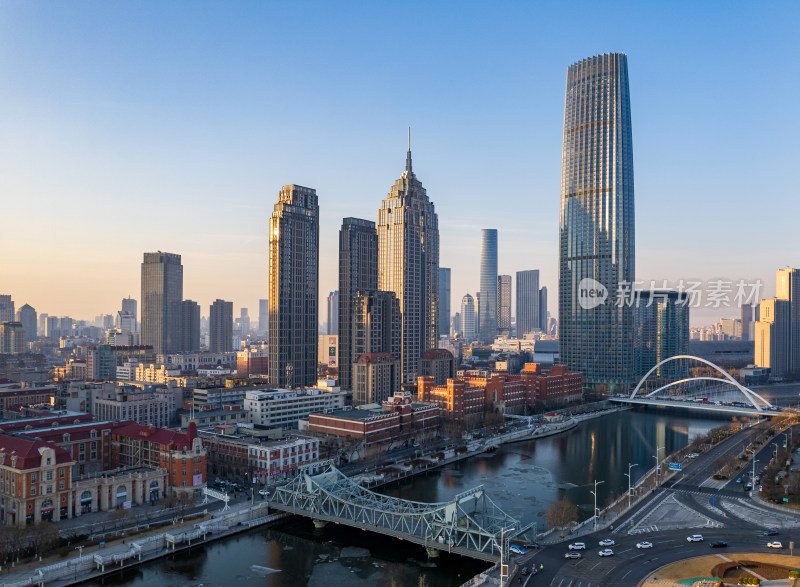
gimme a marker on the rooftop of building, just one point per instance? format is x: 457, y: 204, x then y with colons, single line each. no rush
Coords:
x: 29, y: 451
x: 61, y: 420
x: 255, y: 440
x: 171, y: 438
x: 437, y: 354
x: 353, y: 414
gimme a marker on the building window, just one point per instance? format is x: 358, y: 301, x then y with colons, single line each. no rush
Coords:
x: 33, y: 490
x: 33, y: 477
x: 61, y: 485
x: 49, y: 475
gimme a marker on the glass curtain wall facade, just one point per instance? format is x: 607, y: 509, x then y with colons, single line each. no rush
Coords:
x: 488, y: 299
x: 527, y: 302
x: 293, y: 288
x: 596, y: 241
x: 358, y: 271
x: 444, y: 301
x: 162, y: 294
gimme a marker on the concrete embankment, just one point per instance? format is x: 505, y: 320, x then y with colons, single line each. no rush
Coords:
x: 82, y: 568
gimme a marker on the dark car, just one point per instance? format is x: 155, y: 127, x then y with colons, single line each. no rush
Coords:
x: 770, y: 532
x: 719, y: 544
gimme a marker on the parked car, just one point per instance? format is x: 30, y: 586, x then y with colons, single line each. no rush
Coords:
x: 739, y: 480
x: 577, y: 546
x: 770, y: 532
x: 263, y: 492
x: 692, y: 455
x: 695, y: 538
x: 606, y: 552
x: 748, y: 487
x: 517, y: 549
x: 644, y: 544
x: 719, y: 544
x: 607, y: 542
x: 572, y: 555
x: 524, y: 571
x: 774, y: 544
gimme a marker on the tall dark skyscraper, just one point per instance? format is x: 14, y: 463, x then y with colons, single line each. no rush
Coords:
x: 190, y: 318
x: 408, y: 265
x: 26, y: 316
x: 504, y: 303
x: 162, y: 294
x: 293, y: 287
x: 527, y: 302
x: 263, y: 316
x: 358, y: 271
x: 488, y: 299
x: 543, y: 309
x: 661, y: 331
x: 376, y: 328
x: 597, y: 224
x: 220, y: 327
x: 444, y: 301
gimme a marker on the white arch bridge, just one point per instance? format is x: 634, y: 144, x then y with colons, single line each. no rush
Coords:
x: 470, y: 524
x: 717, y: 392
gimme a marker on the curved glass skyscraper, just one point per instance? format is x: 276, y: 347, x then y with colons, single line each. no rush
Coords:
x: 488, y: 305
x: 596, y: 263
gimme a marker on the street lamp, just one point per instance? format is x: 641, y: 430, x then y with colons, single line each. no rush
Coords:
x: 655, y: 456
x: 596, y: 483
x: 502, y: 532
x: 628, y: 475
x: 753, y: 480
x: 775, y: 444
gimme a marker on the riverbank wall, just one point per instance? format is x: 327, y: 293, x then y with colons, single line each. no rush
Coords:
x: 131, y: 553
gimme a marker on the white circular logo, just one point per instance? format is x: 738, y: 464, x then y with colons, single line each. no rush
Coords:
x: 591, y: 293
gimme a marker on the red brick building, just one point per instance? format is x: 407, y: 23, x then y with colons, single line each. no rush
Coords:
x: 371, y: 426
x: 552, y: 388
x: 35, y: 481
x: 456, y: 399
x: 182, y: 455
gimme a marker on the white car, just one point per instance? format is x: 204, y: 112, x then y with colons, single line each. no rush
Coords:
x: 572, y: 555
x: 775, y: 544
x: 692, y: 455
x: 263, y: 492
x: 577, y: 546
x: 607, y: 542
x: 644, y: 545
x: 516, y: 549
x: 695, y: 538
x: 606, y: 552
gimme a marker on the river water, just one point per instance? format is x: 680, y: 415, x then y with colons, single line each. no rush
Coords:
x: 521, y: 478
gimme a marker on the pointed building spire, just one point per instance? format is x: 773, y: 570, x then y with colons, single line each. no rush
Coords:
x: 408, y: 154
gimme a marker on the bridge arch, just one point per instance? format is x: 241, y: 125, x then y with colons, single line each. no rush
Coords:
x: 751, y: 395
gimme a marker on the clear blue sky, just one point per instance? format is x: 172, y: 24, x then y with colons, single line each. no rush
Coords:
x: 138, y: 126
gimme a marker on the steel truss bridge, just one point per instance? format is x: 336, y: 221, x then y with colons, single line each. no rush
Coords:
x: 470, y: 524
x: 718, y: 393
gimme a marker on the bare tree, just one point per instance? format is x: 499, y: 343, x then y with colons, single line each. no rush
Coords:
x: 561, y: 514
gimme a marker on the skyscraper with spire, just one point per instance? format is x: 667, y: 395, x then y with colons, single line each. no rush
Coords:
x: 408, y: 264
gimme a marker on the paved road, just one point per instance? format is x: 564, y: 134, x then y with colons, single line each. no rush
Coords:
x: 742, y: 522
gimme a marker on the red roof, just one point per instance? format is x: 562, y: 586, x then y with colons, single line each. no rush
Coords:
x: 369, y: 358
x: 437, y: 354
x: 27, y: 451
x: 21, y: 425
x: 169, y: 438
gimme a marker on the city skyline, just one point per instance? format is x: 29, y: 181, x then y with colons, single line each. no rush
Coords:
x: 122, y: 134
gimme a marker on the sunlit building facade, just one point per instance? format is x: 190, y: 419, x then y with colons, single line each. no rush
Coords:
x: 596, y: 329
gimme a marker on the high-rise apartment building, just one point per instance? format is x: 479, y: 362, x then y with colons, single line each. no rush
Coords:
x: 128, y: 314
x: 773, y: 336
x: 543, y: 317
x: 12, y: 338
x: 661, y: 332
x: 358, y: 271
x: 220, y: 327
x: 528, y: 311
x: 747, y: 322
x: 263, y: 316
x: 162, y: 294
x: 488, y: 303
x: 7, y: 313
x: 333, y: 313
x: 504, y: 303
x: 243, y: 322
x: 788, y: 289
x: 27, y: 317
x: 468, y: 318
x: 408, y: 265
x: 376, y: 324
x: 293, y: 288
x: 444, y: 301
x: 596, y: 246
x: 190, y: 326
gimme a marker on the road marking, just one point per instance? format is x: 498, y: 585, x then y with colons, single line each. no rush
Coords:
x: 625, y: 575
x: 626, y: 550
x: 597, y: 565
